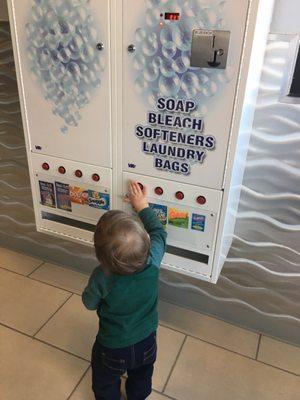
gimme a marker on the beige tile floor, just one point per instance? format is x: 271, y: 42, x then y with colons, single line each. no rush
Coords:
x: 46, y: 337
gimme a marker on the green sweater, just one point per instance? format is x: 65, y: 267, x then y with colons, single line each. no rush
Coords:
x: 127, y: 305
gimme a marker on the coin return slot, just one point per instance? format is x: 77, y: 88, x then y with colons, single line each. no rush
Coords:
x: 68, y: 221
x: 190, y: 255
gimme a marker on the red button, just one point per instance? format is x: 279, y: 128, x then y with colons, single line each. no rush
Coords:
x: 179, y: 196
x: 45, y: 166
x: 201, y: 200
x: 159, y: 191
x: 141, y: 186
x: 62, y: 170
x: 96, y: 177
x: 78, y: 173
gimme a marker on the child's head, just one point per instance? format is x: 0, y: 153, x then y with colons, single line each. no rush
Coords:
x: 121, y: 243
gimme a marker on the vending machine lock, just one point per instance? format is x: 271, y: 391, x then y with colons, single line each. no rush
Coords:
x: 210, y: 48
x: 100, y: 46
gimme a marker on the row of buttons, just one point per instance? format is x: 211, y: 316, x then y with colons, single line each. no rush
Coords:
x: 78, y: 173
x: 178, y: 195
x: 158, y: 190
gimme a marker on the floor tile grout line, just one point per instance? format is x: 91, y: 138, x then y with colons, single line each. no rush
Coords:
x: 166, y: 326
x: 32, y: 272
x: 162, y: 324
x: 258, y: 346
x: 162, y: 394
x: 231, y: 323
x: 278, y: 368
x: 38, y: 280
x: 14, y: 272
x: 60, y: 349
x: 78, y: 383
x: 52, y: 285
x: 59, y: 308
x: 16, y: 330
x: 174, y: 364
x: 230, y: 351
x: 44, y: 342
x: 206, y: 341
x: 87, y: 360
x: 206, y: 314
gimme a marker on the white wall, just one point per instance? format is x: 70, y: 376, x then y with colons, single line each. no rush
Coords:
x: 286, y: 17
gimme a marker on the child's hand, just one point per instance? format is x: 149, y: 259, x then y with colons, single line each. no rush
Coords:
x: 136, y: 196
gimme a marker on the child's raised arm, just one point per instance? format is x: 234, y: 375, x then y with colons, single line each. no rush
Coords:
x: 155, y: 229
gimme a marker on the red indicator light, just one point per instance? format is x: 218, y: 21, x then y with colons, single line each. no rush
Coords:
x: 96, y: 177
x: 45, y: 166
x: 201, y: 200
x: 172, y: 16
x: 62, y: 170
x: 179, y: 195
x: 78, y: 173
x: 158, y: 190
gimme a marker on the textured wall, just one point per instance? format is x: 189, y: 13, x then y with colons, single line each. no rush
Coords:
x: 17, y: 227
x: 286, y: 16
x: 3, y: 10
x: 260, y: 284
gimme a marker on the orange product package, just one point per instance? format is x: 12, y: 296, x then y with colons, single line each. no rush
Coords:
x: 79, y: 195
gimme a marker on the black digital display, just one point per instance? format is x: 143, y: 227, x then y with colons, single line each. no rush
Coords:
x: 171, y: 16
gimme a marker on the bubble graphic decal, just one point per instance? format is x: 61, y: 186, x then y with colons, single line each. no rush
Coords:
x: 63, y: 55
x: 163, y: 48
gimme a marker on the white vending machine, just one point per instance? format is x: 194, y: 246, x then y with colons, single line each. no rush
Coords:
x: 159, y: 91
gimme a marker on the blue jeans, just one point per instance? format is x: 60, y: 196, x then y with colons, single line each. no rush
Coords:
x: 108, y: 365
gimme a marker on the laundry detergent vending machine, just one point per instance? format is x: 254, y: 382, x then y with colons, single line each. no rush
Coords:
x: 158, y: 91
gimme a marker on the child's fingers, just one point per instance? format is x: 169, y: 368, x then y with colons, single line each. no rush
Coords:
x: 130, y: 188
x: 136, y: 190
x: 145, y: 190
x: 126, y: 198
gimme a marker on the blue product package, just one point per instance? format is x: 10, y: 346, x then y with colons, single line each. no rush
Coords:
x: 198, y: 222
x: 99, y: 200
x: 161, y: 212
x: 63, y: 196
x: 47, y: 194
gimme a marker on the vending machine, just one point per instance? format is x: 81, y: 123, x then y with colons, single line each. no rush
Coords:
x: 158, y: 91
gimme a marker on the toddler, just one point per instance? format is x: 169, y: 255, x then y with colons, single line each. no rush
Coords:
x: 124, y: 290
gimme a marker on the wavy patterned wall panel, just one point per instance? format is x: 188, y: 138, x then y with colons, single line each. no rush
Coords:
x: 260, y: 284
x: 17, y: 227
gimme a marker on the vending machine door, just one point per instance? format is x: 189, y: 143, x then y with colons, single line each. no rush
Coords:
x: 180, y: 74
x: 64, y: 54
x: 190, y: 217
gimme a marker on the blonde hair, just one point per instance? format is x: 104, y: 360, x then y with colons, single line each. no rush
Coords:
x: 121, y: 243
